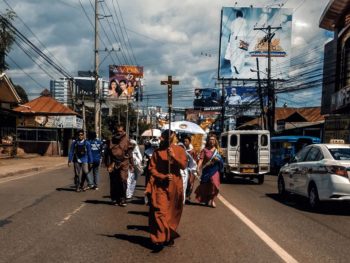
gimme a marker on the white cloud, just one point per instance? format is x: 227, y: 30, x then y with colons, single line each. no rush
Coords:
x: 167, y: 37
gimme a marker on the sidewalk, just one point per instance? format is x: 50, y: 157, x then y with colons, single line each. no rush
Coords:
x: 30, y: 163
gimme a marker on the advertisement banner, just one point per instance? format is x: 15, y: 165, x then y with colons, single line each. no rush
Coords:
x: 67, y: 122
x: 241, y: 43
x: 125, y: 83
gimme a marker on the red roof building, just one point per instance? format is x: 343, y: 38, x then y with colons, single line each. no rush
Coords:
x: 44, y: 105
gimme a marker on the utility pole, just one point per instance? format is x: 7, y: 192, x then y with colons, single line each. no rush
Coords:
x: 270, y: 89
x: 97, y: 84
x: 127, y: 116
x: 223, y: 109
x: 260, y: 96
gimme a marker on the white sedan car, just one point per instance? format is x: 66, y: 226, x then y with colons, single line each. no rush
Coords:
x: 320, y: 172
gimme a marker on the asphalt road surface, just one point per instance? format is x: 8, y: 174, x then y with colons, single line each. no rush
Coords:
x: 42, y: 219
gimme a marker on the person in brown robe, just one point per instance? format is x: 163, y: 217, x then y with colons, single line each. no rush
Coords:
x: 118, y: 159
x: 166, y: 191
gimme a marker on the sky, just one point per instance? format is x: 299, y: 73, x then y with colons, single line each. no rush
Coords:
x: 178, y: 38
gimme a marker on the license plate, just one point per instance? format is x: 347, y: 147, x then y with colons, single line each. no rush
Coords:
x: 247, y: 170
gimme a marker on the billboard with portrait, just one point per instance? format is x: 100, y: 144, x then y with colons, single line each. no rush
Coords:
x: 241, y: 44
x: 125, y: 83
x: 207, y: 99
x: 243, y: 100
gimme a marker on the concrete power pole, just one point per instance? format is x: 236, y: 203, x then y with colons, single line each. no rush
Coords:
x: 270, y: 88
x: 97, y: 84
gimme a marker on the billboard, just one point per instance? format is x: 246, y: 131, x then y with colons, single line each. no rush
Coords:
x: 241, y: 95
x: 125, y: 83
x: 207, y: 99
x: 240, y: 44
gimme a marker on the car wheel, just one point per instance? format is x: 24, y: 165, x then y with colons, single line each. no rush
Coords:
x: 281, y: 186
x: 261, y: 179
x: 314, y: 200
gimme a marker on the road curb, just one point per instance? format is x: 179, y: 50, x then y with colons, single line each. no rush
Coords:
x: 29, y: 170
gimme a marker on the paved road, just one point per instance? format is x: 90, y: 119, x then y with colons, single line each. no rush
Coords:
x: 43, y: 220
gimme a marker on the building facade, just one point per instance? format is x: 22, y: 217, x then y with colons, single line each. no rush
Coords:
x: 65, y: 90
x: 335, y: 104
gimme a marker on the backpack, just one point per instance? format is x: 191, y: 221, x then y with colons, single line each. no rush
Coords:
x: 80, y: 149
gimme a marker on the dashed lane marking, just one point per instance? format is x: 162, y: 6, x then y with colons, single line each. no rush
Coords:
x: 69, y: 215
x: 260, y: 233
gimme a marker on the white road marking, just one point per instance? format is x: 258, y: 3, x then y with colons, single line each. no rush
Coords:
x: 69, y: 215
x: 271, y: 243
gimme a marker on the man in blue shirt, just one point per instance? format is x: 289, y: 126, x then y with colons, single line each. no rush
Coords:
x: 96, y: 150
x: 80, y: 154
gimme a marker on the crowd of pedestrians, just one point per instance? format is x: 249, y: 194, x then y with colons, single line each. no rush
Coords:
x: 170, y: 167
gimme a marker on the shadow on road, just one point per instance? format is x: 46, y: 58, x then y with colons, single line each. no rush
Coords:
x: 5, y: 222
x: 140, y: 213
x: 194, y: 203
x: 98, y: 202
x: 137, y: 200
x: 139, y: 240
x: 242, y: 181
x: 138, y: 228
x: 301, y: 203
x: 65, y: 189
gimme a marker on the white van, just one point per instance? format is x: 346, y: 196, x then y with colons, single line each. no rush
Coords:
x: 246, y: 153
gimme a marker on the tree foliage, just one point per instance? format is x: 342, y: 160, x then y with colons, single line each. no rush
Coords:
x: 22, y: 93
x: 7, y: 37
x: 119, y: 116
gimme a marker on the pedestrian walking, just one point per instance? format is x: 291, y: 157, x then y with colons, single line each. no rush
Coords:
x: 192, y: 166
x: 96, y: 150
x: 118, y: 159
x: 81, y: 156
x: 209, y: 165
x: 135, y: 169
x: 166, y: 191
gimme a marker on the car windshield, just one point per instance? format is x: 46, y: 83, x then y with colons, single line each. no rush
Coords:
x: 340, y: 153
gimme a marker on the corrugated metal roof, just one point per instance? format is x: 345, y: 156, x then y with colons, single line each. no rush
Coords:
x: 45, y: 105
x: 8, y: 92
x: 310, y: 114
x: 333, y: 12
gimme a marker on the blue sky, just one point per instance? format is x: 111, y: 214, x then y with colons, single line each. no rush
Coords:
x: 179, y: 38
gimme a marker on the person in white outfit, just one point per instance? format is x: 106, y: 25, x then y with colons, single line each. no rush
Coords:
x: 191, y: 167
x: 135, y: 170
x: 237, y: 43
x: 234, y: 99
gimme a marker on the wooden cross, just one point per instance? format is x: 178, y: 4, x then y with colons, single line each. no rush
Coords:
x: 170, y: 82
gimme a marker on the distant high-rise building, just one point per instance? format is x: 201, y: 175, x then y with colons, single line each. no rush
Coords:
x: 59, y: 91
x: 81, y: 88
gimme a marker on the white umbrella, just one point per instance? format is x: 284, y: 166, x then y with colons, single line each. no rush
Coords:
x: 185, y: 127
x: 151, y: 132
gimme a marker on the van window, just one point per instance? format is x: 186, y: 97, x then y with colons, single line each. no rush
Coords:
x: 223, y: 141
x: 233, y: 140
x: 263, y: 140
